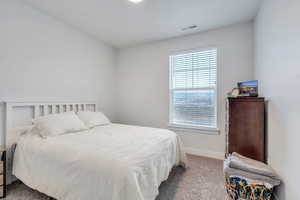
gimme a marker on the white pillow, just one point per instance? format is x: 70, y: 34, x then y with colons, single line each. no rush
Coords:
x: 92, y: 119
x: 16, y: 133
x: 58, y: 124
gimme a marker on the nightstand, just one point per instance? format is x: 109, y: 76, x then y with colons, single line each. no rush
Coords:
x: 2, y: 172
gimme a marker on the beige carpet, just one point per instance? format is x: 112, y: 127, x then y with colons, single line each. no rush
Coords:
x: 203, y: 180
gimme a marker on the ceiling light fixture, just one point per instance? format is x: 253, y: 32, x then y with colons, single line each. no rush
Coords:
x: 135, y: 1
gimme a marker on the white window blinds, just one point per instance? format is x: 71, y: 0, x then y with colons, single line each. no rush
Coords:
x: 193, y: 79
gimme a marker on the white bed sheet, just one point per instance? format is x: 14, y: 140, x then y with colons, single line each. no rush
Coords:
x: 112, y: 162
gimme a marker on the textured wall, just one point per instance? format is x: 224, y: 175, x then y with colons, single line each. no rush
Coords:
x: 277, y: 47
x: 45, y: 60
x: 143, y: 80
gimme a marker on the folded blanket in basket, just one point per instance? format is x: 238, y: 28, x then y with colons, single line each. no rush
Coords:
x: 237, y: 165
x: 238, y: 161
x: 251, y: 176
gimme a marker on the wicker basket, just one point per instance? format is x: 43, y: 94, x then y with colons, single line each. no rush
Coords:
x: 239, y: 188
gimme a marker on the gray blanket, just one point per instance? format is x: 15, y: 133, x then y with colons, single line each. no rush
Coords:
x: 243, y: 163
x: 238, y: 165
x: 251, y: 176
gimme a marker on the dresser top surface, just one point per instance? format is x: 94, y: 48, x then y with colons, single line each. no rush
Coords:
x: 246, y: 99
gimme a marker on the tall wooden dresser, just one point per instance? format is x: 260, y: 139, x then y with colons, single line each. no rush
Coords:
x: 246, y: 127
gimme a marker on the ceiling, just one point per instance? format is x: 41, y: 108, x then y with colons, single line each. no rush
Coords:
x: 121, y: 23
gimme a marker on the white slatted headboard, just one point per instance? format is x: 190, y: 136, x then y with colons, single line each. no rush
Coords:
x: 20, y: 114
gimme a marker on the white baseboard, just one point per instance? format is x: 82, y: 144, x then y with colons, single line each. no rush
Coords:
x: 205, y: 153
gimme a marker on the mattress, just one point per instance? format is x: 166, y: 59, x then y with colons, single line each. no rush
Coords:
x: 111, y: 162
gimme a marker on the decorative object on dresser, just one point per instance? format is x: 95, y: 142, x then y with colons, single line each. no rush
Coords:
x: 3, y: 172
x: 248, y: 88
x: 246, y: 127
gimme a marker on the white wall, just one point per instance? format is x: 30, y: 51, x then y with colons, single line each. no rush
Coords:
x: 43, y: 59
x: 142, y: 80
x: 277, y: 47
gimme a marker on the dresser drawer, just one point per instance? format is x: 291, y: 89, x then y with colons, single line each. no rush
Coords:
x: 1, y: 167
x: 1, y: 191
x: 1, y: 180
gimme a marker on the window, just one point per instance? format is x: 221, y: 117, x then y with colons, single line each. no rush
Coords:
x: 193, y: 89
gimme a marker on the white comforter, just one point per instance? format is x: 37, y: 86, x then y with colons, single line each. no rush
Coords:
x: 112, y: 162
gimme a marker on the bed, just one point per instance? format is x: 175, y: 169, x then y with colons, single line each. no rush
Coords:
x: 110, y: 162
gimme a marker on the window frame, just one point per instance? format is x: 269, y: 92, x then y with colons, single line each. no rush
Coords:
x: 193, y: 128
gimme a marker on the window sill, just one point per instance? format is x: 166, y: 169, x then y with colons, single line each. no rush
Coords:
x: 195, y: 129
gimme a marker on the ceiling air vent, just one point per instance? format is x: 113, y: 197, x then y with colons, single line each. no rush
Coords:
x: 189, y: 28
